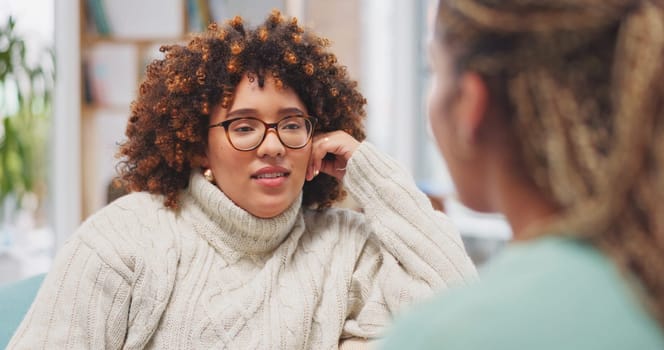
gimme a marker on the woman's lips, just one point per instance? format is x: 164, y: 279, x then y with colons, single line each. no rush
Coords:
x: 271, y: 176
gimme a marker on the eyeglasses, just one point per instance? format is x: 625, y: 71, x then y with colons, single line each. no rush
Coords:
x: 247, y: 133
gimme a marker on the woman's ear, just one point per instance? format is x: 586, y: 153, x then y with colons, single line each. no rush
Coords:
x: 203, y: 159
x: 471, y: 107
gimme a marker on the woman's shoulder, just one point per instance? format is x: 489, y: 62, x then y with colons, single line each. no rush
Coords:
x: 333, y: 217
x: 136, y: 201
x: 343, y: 224
x: 551, y: 292
x: 135, y: 224
x: 126, y: 212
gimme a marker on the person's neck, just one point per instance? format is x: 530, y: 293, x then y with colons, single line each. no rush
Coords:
x: 523, y: 204
x: 225, y: 224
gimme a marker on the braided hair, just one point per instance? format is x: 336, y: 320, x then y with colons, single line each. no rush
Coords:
x: 582, y: 82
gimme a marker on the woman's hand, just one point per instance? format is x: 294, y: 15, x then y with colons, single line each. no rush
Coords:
x: 330, y: 153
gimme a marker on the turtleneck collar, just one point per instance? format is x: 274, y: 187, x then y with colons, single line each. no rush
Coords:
x: 233, y: 226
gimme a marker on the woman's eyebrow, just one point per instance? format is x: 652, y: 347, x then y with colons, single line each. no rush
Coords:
x: 250, y: 112
x: 291, y: 110
x: 242, y: 112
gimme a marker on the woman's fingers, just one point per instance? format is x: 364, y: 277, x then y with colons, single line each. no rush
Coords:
x: 318, y: 151
x: 330, y: 153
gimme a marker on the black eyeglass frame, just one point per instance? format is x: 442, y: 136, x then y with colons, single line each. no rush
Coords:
x: 268, y: 126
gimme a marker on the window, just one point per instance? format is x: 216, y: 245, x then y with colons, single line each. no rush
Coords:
x: 395, y: 80
x: 26, y: 235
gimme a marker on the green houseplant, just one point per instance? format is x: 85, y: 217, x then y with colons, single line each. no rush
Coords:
x: 26, y: 85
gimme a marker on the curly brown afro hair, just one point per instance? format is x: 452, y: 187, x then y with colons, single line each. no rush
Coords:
x: 168, y: 126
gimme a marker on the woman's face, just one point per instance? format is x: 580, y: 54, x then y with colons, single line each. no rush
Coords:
x: 267, y: 180
x: 444, y: 117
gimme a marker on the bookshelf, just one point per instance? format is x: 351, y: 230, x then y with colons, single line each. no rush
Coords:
x: 118, y: 38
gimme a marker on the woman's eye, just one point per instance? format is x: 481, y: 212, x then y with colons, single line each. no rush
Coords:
x: 291, y: 126
x: 245, y: 128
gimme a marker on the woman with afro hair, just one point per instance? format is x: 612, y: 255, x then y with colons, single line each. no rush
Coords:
x: 237, y: 145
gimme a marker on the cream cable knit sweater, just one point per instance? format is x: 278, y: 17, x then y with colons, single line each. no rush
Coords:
x: 137, y: 275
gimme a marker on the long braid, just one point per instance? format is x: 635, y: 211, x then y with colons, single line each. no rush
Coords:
x: 586, y: 94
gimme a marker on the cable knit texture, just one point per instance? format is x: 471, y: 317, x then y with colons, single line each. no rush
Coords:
x: 137, y: 275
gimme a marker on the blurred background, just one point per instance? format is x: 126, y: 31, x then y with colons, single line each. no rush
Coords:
x: 70, y: 68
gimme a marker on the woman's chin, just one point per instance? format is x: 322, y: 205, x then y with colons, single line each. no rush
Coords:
x: 268, y: 210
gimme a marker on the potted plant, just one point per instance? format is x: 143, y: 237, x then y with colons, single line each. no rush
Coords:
x: 26, y: 85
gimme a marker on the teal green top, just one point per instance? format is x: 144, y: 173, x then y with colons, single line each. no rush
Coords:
x: 551, y: 293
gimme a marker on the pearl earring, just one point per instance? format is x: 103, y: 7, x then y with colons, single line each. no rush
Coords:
x: 208, y: 175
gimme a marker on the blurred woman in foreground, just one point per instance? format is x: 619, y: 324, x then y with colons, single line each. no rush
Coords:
x: 552, y: 113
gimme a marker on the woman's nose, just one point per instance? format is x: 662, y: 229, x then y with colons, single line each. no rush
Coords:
x: 271, y: 145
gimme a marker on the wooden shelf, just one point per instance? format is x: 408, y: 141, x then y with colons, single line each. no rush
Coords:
x: 93, y: 39
x: 114, y: 66
x: 89, y: 109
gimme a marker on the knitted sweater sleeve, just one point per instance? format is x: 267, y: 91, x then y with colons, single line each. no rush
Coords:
x: 82, y: 304
x: 101, y: 293
x: 411, y: 251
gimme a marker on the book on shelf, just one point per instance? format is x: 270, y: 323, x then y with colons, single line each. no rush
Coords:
x: 111, y: 74
x: 253, y: 12
x: 194, y: 21
x: 137, y: 20
x: 165, y: 19
x: 97, y: 17
x: 200, y: 13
